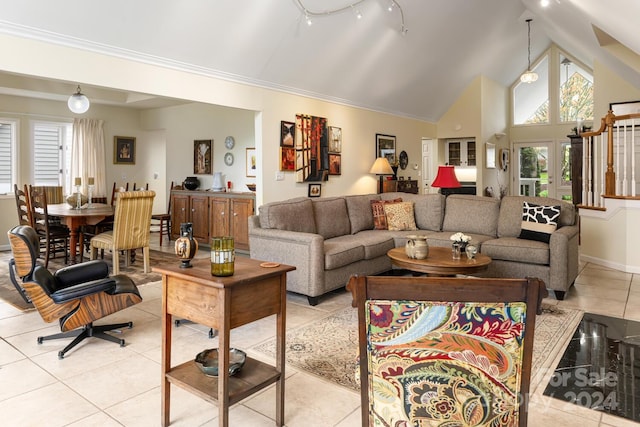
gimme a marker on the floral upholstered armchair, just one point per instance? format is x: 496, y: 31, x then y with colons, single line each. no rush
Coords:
x: 445, y: 351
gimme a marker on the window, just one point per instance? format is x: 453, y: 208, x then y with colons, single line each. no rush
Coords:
x: 531, y: 100
x: 576, y: 92
x: 8, y: 158
x: 51, y: 153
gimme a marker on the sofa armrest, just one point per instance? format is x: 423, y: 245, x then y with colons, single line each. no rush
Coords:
x: 305, y: 251
x: 563, y: 253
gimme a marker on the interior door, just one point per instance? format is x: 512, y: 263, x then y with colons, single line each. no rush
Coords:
x: 533, y: 167
x: 427, y: 168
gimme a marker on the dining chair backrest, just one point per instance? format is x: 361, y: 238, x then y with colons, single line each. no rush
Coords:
x: 23, y: 205
x: 132, y: 219
x: 115, y: 190
x: 55, y: 193
x: 434, y: 349
x: 39, y: 212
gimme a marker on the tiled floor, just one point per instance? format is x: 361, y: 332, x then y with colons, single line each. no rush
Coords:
x: 101, y: 384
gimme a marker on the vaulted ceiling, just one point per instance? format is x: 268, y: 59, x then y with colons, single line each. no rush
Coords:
x: 366, y: 62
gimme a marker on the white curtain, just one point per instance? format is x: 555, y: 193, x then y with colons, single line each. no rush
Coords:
x: 88, y: 155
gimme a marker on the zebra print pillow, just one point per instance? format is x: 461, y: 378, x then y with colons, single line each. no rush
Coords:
x: 538, y: 222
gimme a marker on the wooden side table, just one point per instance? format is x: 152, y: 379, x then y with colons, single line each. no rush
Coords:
x: 223, y: 303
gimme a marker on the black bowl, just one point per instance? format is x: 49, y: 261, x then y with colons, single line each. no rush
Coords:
x: 207, y: 361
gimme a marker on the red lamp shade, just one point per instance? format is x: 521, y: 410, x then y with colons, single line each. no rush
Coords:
x: 446, y: 178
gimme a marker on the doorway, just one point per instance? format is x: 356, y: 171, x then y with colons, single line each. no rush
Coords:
x: 534, y: 164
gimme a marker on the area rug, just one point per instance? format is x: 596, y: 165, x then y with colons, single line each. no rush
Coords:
x: 9, y: 294
x: 328, y: 348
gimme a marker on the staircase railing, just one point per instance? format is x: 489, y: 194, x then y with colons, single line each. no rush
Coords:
x: 611, y: 158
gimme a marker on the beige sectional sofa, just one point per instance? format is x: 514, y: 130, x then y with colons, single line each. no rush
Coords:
x: 329, y: 239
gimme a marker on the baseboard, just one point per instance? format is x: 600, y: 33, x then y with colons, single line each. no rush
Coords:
x: 610, y: 264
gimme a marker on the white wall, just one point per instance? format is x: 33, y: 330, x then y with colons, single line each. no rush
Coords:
x: 268, y: 108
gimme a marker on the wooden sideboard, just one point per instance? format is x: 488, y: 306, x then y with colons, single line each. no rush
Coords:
x: 213, y: 213
x: 403, y: 186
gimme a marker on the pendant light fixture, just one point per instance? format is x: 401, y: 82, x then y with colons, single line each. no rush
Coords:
x: 529, y: 76
x: 78, y: 103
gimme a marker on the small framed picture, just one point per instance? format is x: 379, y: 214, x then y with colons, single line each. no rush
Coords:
x: 335, y: 164
x: 124, y: 150
x: 287, y: 134
x: 202, y: 157
x: 252, y: 162
x: 287, y: 159
x: 386, y: 147
x: 335, y: 139
x: 314, y: 190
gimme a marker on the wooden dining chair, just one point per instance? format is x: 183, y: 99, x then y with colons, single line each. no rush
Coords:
x: 23, y: 205
x: 162, y: 222
x: 131, y: 228
x: 445, y: 350
x: 54, y: 237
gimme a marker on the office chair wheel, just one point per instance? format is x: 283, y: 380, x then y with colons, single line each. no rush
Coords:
x: 212, y: 333
x: 121, y: 343
x: 61, y: 355
x: 40, y: 339
x: 130, y: 325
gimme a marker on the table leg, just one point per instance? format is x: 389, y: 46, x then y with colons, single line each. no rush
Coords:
x: 165, y: 386
x: 73, y: 242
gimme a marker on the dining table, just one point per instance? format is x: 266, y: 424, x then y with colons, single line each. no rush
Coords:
x: 75, y: 218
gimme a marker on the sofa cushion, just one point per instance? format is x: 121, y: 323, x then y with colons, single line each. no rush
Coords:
x: 538, y: 221
x: 472, y: 214
x: 400, y: 216
x: 428, y: 209
x: 379, y: 216
x: 292, y: 215
x: 510, y: 220
x: 341, y: 251
x: 376, y: 242
x: 360, y: 212
x: 517, y: 250
x: 331, y: 217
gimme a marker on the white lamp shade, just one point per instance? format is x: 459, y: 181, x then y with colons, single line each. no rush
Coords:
x: 78, y: 103
x: 381, y: 167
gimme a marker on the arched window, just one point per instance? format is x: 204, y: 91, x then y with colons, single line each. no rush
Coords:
x: 576, y: 92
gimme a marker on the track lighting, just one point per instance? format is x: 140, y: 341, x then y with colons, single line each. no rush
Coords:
x: 393, y: 5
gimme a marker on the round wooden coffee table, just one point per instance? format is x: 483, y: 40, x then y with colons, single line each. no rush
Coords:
x: 439, y: 262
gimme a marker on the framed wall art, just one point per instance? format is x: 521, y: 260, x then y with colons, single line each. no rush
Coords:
x: 202, y: 157
x: 335, y: 140
x: 315, y: 190
x: 124, y: 150
x: 287, y: 134
x: 312, y: 161
x: 335, y: 164
x: 287, y: 159
x: 252, y: 162
x: 386, y: 147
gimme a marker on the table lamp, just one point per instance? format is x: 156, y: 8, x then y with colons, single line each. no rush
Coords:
x: 446, y: 178
x: 381, y: 167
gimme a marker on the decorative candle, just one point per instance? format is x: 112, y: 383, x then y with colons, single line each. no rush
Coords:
x: 78, y: 181
x: 91, y: 180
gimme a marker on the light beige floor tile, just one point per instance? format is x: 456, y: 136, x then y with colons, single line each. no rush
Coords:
x: 546, y: 415
x: 8, y: 353
x: 351, y: 420
x: 96, y: 420
x: 309, y: 402
x: 632, y: 312
x: 595, y: 305
x: 609, y: 293
x: 7, y: 310
x: 599, y: 282
x: 27, y: 342
x: 26, y: 322
x: 613, y: 421
x: 143, y: 410
x: 21, y: 377
x: 87, y: 356
x: 120, y: 381
x: 635, y: 284
x: 53, y: 405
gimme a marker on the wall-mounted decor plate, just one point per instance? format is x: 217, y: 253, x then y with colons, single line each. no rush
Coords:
x: 228, y: 159
x: 229, y: 142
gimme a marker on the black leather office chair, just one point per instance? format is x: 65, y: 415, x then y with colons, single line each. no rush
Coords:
x: 76, y: 296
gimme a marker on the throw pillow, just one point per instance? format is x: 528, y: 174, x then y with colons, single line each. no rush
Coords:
x: 379, y: 217
x: 538, y: 221
x: 400, y: 216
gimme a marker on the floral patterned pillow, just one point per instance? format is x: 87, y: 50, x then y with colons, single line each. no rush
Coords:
x: 379, y: 217
x: 400, y: 216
